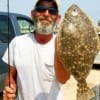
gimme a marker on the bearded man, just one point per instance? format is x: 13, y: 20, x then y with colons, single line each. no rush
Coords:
x: 35, y: 71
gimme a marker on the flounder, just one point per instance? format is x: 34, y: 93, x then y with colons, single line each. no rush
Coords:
x: 76, y: 47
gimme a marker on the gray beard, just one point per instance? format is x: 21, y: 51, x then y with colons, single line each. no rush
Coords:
x: 44, y: 29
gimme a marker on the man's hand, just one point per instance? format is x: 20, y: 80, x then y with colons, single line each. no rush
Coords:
x: 9, y: 92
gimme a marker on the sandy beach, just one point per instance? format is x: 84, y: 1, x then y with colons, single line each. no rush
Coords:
x: 69, y: 89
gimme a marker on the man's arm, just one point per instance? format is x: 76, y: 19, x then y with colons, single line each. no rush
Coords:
x: 62, y: 74
x: 10, y: 89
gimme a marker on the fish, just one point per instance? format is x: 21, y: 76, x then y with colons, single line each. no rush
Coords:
x: 77, y: 45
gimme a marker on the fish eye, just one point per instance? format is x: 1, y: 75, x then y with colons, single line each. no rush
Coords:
x: 74, y: 12
x: 74, y: 9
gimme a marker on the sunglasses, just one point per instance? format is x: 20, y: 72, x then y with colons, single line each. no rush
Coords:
x: 42, y: 9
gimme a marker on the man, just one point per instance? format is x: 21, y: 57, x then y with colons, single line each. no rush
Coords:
x: 32, y: 69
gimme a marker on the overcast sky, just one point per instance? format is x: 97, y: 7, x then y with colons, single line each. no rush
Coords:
x: 91, y: 7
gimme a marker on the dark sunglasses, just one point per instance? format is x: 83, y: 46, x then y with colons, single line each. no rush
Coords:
x: 42, y: 9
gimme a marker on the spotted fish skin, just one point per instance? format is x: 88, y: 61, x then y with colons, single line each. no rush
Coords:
x: 77, y: 45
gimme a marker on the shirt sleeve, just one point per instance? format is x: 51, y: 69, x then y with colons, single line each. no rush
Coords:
x: 8, y: 56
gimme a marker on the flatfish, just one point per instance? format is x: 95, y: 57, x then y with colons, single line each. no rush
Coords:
x: 77, y: 45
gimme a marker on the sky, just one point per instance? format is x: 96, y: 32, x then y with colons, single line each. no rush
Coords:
x: 90, y: 7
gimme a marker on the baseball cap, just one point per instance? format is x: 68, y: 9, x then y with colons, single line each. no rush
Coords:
x: 55, y: 2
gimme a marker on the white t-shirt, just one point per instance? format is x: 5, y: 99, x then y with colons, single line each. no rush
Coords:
x: 35, y: 68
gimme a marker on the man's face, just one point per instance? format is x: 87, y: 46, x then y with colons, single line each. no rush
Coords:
x: 45, y: 17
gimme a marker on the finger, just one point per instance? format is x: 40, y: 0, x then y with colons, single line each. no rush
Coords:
x: 8, y: 98
x: 8, y: 94
x: 10, y: 90
x: 4, y: 95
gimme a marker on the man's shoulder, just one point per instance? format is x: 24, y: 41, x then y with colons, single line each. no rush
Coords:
x: 23, y: 37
